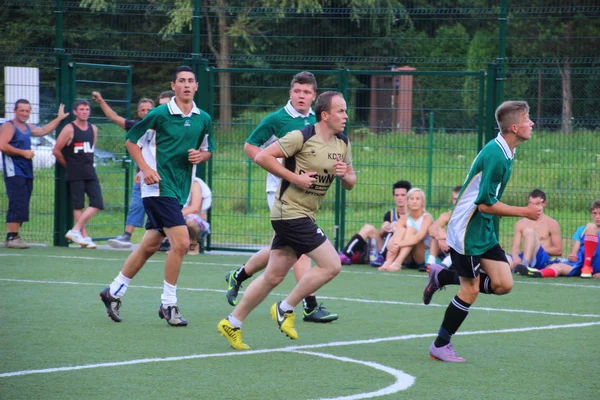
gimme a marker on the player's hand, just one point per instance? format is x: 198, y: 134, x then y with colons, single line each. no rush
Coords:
x: 596, y: 275
x: 306, y: 179
x: 97, y: 97
x: 533, y: 212
x: 443, y: 245
x: 572, y: 257
x: 341, y: 168
x: 137, y: 178
x: 150, y: 176
x: 28, y: 154
x: 61, y: 112
x: 197, y: 156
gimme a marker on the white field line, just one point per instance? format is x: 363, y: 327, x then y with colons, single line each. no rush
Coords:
x: 289, y: 349
x: 367, y: 301
x: 545, y: 282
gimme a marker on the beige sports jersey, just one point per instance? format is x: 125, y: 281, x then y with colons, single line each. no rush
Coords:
x: 306, y: 151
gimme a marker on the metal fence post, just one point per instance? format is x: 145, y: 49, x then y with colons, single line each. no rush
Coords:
x: 340, y: 193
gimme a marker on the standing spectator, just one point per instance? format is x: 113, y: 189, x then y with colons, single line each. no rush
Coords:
x: 476, y: 254
x: 15, y: 145
x: 166, y: 145
x: 74, y: 150
x: 136, y: 213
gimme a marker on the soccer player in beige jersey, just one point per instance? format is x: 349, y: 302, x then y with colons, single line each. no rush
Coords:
x: 313, y: 158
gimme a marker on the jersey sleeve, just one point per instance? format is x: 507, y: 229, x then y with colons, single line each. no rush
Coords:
x: 151, y: 121
x: 291, y: 143
x: 208, y: 141
x: 387, y: 217
x: 578, y: 233
x: 266, y: 129
x: 348, y: 156
x: 491, y: 180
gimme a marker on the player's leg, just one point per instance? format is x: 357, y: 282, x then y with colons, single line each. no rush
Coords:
x: 531, y: 245
x: 235, y: 278
x: 590, y: 244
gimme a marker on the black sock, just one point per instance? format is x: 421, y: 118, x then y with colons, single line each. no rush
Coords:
x: 310, y: 303
x: 447, y: 277
x: 11, y: 235
x: 126, y: 234
x: 485, y: 284
x: 456, y: 313
x: 356, y: 243
x: 241, y: 275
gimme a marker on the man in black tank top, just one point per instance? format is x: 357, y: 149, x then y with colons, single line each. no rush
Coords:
x: 74, y: 150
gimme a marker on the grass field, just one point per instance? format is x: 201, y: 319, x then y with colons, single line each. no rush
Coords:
x: 539, y: 342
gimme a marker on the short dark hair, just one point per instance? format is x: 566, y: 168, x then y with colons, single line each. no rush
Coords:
x: 183, y: 68
x: 21, y: 101
x: 165, y: 94
x: 80, y: 103
x: 323, y: 103
x: 537, y: 194
x: 146, y: 100
x: 509, y: 113
x: 457, y: 189
x: 304, y: 78
x: 595, y: 204
x: 402, y: 185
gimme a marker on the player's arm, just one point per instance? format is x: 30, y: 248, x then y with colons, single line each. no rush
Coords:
x: 500, y: 209
x: 574, y: 251
x: 267, y: 159
x: 64, y: 139
x: 556, y: 243
x: 346, y: 173
x: 264, y: 131
x: 195, y: 206
x: 436, y: 230
x: 50, y: 126
x: 386, y: 226
x: 109, y: 112
x: 7, y: 131
x: 516, y: 244
x: 206, y: 147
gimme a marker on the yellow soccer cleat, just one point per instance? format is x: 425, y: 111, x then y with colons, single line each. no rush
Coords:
x: 233, y: 335
x: 285, y: 320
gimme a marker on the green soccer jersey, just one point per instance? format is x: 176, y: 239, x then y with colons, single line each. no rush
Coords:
x: 471, y: 232
x: 275, y: 126
x: 165, y: 135
x: 306, y: 151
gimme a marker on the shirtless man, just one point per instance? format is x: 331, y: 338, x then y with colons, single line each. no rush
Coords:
x: 541, y: 239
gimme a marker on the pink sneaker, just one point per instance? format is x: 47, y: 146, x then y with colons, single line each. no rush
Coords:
x: 444, y: 353
x: 345, y: 259
x: 433, y: 284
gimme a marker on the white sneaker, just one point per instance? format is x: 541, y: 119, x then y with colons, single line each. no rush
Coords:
x: 89, y: 244
x: 75, y: 237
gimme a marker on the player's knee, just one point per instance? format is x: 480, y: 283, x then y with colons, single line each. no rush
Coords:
x: 528, y: 233
x: 502, y: 288
x: 181, y: 246
x: 590, y: 229
x: 273, y: 279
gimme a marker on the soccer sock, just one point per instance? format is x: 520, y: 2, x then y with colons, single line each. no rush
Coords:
x: 236, y: 323
x: 590, y: 243
x: 447, y: 261
x: 119, y: 286
x: 456, y: 313
x: 485, y: 284
x: 126, y: 234
x: 285, y: 307
x: 431, y: 259
x: 447, y: 277
x: 11, y: 235
x: 310, y: 303
x: 241, y: 275
x: 169, y: 296
x: 549, y: 273
x: 356, y: 241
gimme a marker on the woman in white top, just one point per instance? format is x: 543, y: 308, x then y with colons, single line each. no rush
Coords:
x: 411, y: 239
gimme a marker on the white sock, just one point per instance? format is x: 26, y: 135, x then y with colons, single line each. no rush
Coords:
x: 236, y: 323
x: 285, y: 307
x: 431, y: 259
x: 119, y: 286
x: 447, y: 261
x: 169, y: 296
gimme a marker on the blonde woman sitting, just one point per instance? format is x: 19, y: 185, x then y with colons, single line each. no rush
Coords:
x: 411, y: 238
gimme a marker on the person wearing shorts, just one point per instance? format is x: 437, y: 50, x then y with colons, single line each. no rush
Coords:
x: 313, y: 158
x: 166, y: 145
x: 476, y: 254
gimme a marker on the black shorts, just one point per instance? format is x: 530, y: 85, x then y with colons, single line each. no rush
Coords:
x: 80, y: 188
x: 469, y: 266
x: 301, y: 234
x: 18, y: 191
x: 163, y: 212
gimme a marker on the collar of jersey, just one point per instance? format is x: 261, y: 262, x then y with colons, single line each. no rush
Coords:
x: 175, y: 110
x: 295, y: 114
x: 504, y: 146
